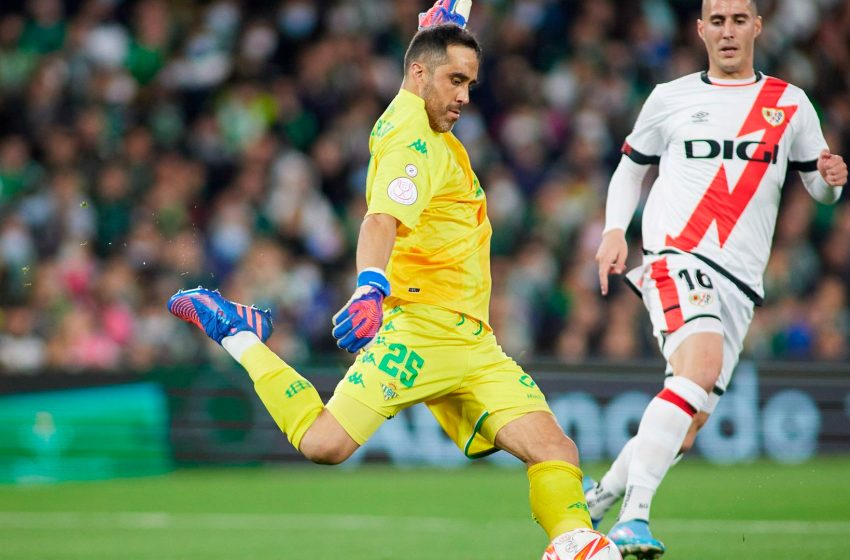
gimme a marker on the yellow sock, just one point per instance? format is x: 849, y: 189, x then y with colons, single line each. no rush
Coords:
x: 557, y: 500
x: 290, y: 399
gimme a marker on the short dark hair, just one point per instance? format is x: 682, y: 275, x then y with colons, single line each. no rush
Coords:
x: 753, y: 7
x: 430, y: 45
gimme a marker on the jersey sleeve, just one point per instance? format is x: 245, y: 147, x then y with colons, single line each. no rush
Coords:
x: 646, y: 142
x: 623, y: 194
x: 808, y: 138
x: 402, y: 183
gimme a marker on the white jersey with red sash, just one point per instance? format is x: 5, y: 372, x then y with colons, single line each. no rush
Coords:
x: 723, y: 153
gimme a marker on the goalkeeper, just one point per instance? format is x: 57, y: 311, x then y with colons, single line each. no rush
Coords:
x: 423, y: 257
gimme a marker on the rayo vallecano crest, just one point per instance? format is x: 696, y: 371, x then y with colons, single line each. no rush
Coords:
x: 774, y: 117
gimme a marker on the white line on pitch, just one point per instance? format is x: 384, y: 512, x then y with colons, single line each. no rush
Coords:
x: 753, y: 526
x: 277, y: 522
x: 222, y: 521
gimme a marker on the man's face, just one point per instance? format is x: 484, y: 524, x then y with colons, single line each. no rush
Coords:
x: 729, y: 29
x: 446, y: 88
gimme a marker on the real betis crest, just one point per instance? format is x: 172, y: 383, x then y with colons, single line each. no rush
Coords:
x: 773, y: 116
x: 389, y: 391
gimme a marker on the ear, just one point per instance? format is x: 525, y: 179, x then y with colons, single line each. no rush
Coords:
x: 758, y: 24
x: 418, y: 72
x: 701, y: 29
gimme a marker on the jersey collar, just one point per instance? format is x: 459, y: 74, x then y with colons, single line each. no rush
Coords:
x: 410, y: 98
x: 730, y: 83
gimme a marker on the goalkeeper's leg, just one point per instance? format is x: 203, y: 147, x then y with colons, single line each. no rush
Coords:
x: 555, y: 493
x: 292, y: 401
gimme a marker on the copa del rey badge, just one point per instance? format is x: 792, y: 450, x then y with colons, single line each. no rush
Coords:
x: 773, y: 116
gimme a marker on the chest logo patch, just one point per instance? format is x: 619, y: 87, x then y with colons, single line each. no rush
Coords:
x: 403, y: 191
x: 700, y: 117
x: 411, y: 170
x: 774, y: 117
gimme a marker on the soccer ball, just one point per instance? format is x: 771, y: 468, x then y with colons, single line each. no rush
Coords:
x: 581, y: 544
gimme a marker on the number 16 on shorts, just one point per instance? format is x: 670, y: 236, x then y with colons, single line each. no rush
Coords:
x: 676, y: 291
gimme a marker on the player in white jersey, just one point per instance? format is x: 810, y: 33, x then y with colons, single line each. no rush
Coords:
x: 723, y: 140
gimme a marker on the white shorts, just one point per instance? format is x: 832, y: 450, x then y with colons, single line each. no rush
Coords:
x: 684, y: 296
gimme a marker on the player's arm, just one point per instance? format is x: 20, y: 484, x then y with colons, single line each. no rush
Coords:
x: 640, y: 150
x: 823, y: 173
x: 357, y: 323
x: 826, y: 182
x: 399, y: 192
x: 375, y: 244
x: 623, y: 197
x: 833, y: 170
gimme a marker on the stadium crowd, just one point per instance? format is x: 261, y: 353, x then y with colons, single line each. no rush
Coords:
x: 151, y: 145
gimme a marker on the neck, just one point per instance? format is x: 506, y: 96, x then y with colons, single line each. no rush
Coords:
x: 742, y: 74
x: 411, y: 86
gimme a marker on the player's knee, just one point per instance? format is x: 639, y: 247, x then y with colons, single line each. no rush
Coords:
x: 703, y: 374
x: 700, y: 359
x: 559, y: 448
x: 324, y: 451
x: 324, y: 455
x: 707, y: 377
x: 536, y: 438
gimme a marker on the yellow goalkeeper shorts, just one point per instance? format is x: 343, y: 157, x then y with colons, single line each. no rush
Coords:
x: 451, y: 362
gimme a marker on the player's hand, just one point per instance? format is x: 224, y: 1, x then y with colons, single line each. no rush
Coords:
x: 833, y: 169
x: 611, y: 256
x: 446, y: 11
x: 358, y: 322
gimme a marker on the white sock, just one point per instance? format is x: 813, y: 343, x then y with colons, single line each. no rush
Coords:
x: 662, y: 430
x: 612, y: 485
x: 636, y: 503
x: 236, y: 344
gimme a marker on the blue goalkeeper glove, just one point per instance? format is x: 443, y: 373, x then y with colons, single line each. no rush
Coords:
x: 358, y: 322
x: 446, y: 11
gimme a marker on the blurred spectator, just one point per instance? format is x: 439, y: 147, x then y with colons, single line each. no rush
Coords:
x: 21, y: 349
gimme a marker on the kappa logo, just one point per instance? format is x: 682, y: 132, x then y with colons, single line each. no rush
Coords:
x: 420, y: 146
x: 773, y: 116
x: 700, y: 117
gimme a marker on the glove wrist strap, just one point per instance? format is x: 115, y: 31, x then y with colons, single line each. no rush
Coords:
x: 376, y: 278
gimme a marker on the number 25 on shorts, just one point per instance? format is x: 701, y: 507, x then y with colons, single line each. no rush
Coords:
x: 397, y: 355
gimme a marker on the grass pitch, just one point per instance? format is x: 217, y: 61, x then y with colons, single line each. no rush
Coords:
x: 706, y: 512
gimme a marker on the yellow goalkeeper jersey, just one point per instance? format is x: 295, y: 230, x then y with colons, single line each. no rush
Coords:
x: 424, y: 179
